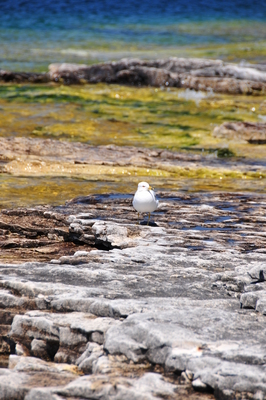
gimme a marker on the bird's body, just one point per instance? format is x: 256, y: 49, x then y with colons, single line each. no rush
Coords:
x: 144, y: 200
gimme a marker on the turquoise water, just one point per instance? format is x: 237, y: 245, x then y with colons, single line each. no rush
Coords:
x: 34, y: 34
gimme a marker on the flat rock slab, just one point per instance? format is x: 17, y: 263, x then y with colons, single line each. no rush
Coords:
x: 172, y: 310
x: 27, y: 156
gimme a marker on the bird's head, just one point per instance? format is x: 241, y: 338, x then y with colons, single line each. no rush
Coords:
x: 144, y: 186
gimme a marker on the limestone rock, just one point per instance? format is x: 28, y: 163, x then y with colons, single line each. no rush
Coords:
x: 181, y: 298
x: 192, y: 73
x: 150, y: 386
x: 58, y: 336
x: 232, y: 71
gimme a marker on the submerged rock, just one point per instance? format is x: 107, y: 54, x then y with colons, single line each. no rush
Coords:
x: 252, y: 132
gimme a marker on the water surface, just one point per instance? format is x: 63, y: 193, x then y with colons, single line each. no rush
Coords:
x: 34, y: 34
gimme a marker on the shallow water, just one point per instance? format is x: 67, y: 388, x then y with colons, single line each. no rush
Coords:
x: 110, y: 114
x: 31, y: 191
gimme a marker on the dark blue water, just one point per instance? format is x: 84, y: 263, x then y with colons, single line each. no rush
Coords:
x: 72, y: 14
x: 35, y: 33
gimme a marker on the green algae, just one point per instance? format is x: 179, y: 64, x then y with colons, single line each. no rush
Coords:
x: 102, y: 114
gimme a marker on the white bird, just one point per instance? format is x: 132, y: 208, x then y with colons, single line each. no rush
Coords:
x: 144, y: 200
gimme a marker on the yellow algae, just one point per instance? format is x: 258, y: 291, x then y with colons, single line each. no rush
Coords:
x: 110, y: 114
x: 149, y: 117
x: 99, y: 172
x: 36, y: 168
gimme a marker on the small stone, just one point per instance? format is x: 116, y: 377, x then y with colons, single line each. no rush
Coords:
x: 189, y: 374
x: 20, y: 351
x: 39, y: 349
x: 197, y: 384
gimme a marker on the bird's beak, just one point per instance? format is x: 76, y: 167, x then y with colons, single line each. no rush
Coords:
x: 151, y: 188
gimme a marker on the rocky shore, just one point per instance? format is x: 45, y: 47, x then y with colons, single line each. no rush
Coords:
x: 94, y: 305
x: 189, y: 73
x: 172, y: 310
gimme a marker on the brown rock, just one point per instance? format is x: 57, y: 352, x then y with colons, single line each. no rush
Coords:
x: 31, y: 77
x: 249, y: 131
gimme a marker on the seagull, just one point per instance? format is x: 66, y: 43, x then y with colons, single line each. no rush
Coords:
x: 144, y: 200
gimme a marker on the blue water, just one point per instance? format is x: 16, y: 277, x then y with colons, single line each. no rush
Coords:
x: 35, y: 33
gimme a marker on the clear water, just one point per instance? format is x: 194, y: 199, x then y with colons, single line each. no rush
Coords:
x: 36, y: 33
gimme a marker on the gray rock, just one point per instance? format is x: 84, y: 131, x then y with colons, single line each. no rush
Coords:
x: 92, y: 353
x: 13, y: 385
x: 191, y: 73
x: 150, y: 386
x: 42, y: 394
x: 169, y: 298
x: 40, y: 349
x: 62, y: 336
x: 232, y: 71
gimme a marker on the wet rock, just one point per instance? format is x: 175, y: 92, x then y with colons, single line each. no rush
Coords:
x: 248, y: 131
x: 29, y: 77
x: 34, y: 234
x: 188, y: 73
x: 197, y: 74
x: 179, y: 72
x: 144, y: 76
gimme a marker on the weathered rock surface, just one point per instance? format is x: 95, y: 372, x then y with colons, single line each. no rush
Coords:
x: 192, y: 73
x: 21, y: 156
x: 247, y: 131
x: 174, y: 72
x: 172, y: 310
